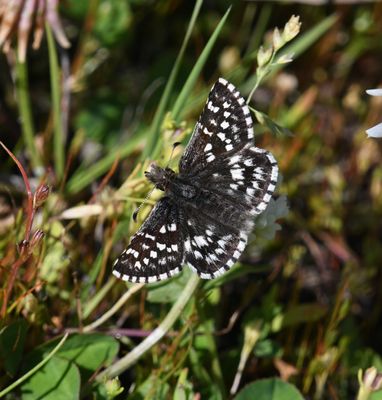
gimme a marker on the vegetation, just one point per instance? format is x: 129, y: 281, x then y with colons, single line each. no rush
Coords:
x: 300, y: 315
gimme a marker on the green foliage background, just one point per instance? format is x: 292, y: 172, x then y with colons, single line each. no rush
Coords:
x: 301, y: 312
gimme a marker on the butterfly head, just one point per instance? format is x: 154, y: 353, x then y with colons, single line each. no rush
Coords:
x: 160, y: 177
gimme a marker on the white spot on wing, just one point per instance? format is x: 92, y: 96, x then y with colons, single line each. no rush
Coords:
x: 187, y: 245
x: 200, y: 241
x: 237, y: 174
x: 172, y: 227
x: 235, y: 159
x: 161, y: 246
x: 221, y: 136
x: 197, y: 254
x: 224, y: 124
x: 208, y: 147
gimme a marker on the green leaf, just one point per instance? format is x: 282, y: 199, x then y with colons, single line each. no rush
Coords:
x: 58, y: 379
x: 168, y: 291
x: 269, y: 389
x: 88, y: 351
x: 12, y: 341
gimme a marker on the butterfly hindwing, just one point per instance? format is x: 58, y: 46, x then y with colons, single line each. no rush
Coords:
x: 211, y: 248
x: 156, y: 250
x: 247, y: 178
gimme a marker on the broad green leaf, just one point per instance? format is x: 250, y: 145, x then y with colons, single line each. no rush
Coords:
x: 12, y: 340
x: 58, y: 379
x: 88, y: 351
x: 168, y: 291
x: 269, y: 389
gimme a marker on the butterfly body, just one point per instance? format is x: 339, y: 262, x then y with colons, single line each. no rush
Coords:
x: 208, y: 208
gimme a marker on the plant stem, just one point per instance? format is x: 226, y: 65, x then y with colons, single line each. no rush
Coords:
x: 27, y: 128
x: 160, y: 112
x: 115, y: 307
x: 58, y: 132
x: 131, y: 358
x: 34, y: 369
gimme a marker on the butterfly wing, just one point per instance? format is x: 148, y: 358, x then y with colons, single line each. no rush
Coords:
x: 224, y: 127
x: 156, y: 250
x: 211, y: 248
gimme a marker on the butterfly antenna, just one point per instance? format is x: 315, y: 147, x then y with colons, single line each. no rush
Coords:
x: 135, y: 213
x: 176, y: 144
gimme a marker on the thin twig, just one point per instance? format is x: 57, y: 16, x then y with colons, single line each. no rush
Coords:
x: 30, y: 215
x: 113, y: 309
x: 34, y: 369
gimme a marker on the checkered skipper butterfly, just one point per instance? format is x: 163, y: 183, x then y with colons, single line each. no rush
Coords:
x: 208, y: 209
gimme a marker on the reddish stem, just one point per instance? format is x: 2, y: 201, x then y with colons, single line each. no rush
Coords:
x: 30, y: 211
x: 30, y: 214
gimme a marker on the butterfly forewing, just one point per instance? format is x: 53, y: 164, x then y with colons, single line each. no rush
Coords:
x: 156, y: 250
x: 224, y: 126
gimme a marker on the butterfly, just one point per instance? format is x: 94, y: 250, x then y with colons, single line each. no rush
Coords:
x: 208, y: 208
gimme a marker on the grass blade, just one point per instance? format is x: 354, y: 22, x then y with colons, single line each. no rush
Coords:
x: 58, y: 132
x: 24, y: 103
x: 83, y: 178
x: 190, y: 83
x: 161, y: 110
